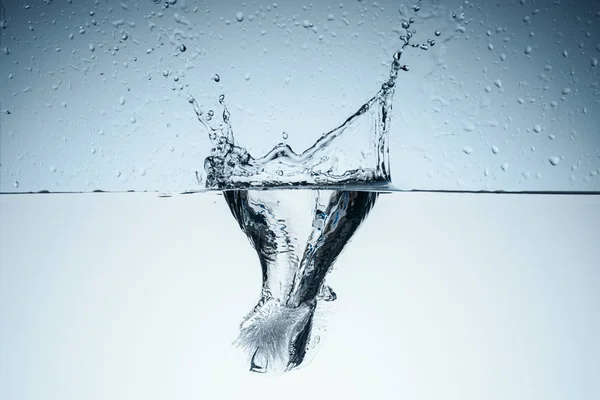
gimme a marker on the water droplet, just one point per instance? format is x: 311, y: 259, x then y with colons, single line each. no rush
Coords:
x: 330, y: 17
x: 528, y: 50
x: 142, y: 171
x: 284, y: 135
x: 467, y: 149
x: 52, y: 168
x: 565, y: 53
x: 554, y: 160
x: 216, y: 78
x: 92, y: 47
x: 495, y: 149
x: 566, y: 91
x: 438, y: 33
x: 502, y: 56
x: 490, y: 46
x: 93, y: 150
x: 537, y: 128
x: 182, y: 48
x: 16, y: 184
x: 239, y: 16
x: 594, y: 62
x: 306, y: 23
x: 122, y: 100
x: 498, y: 83
x: 165, y: 73
x: 247, y: 76
x: 405, y: 24
x: 504, y: 166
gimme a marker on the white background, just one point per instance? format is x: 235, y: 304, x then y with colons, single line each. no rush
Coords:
x: 439, y: 296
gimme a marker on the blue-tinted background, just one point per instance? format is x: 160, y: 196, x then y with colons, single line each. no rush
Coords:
x: 94, y: 93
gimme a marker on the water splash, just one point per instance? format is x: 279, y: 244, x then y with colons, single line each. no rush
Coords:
x: 354, y: 153
x: 298, y: 234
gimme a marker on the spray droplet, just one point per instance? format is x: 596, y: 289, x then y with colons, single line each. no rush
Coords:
x: 216, y: 78
x: 554, y: 160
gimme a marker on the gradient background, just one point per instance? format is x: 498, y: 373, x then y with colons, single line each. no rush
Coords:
x: 439, y: 296
x: 126, y: 296
x: 477, y: 88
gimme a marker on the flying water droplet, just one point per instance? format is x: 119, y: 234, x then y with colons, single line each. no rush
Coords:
x: 216, y: 78
x: 239, y: 16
